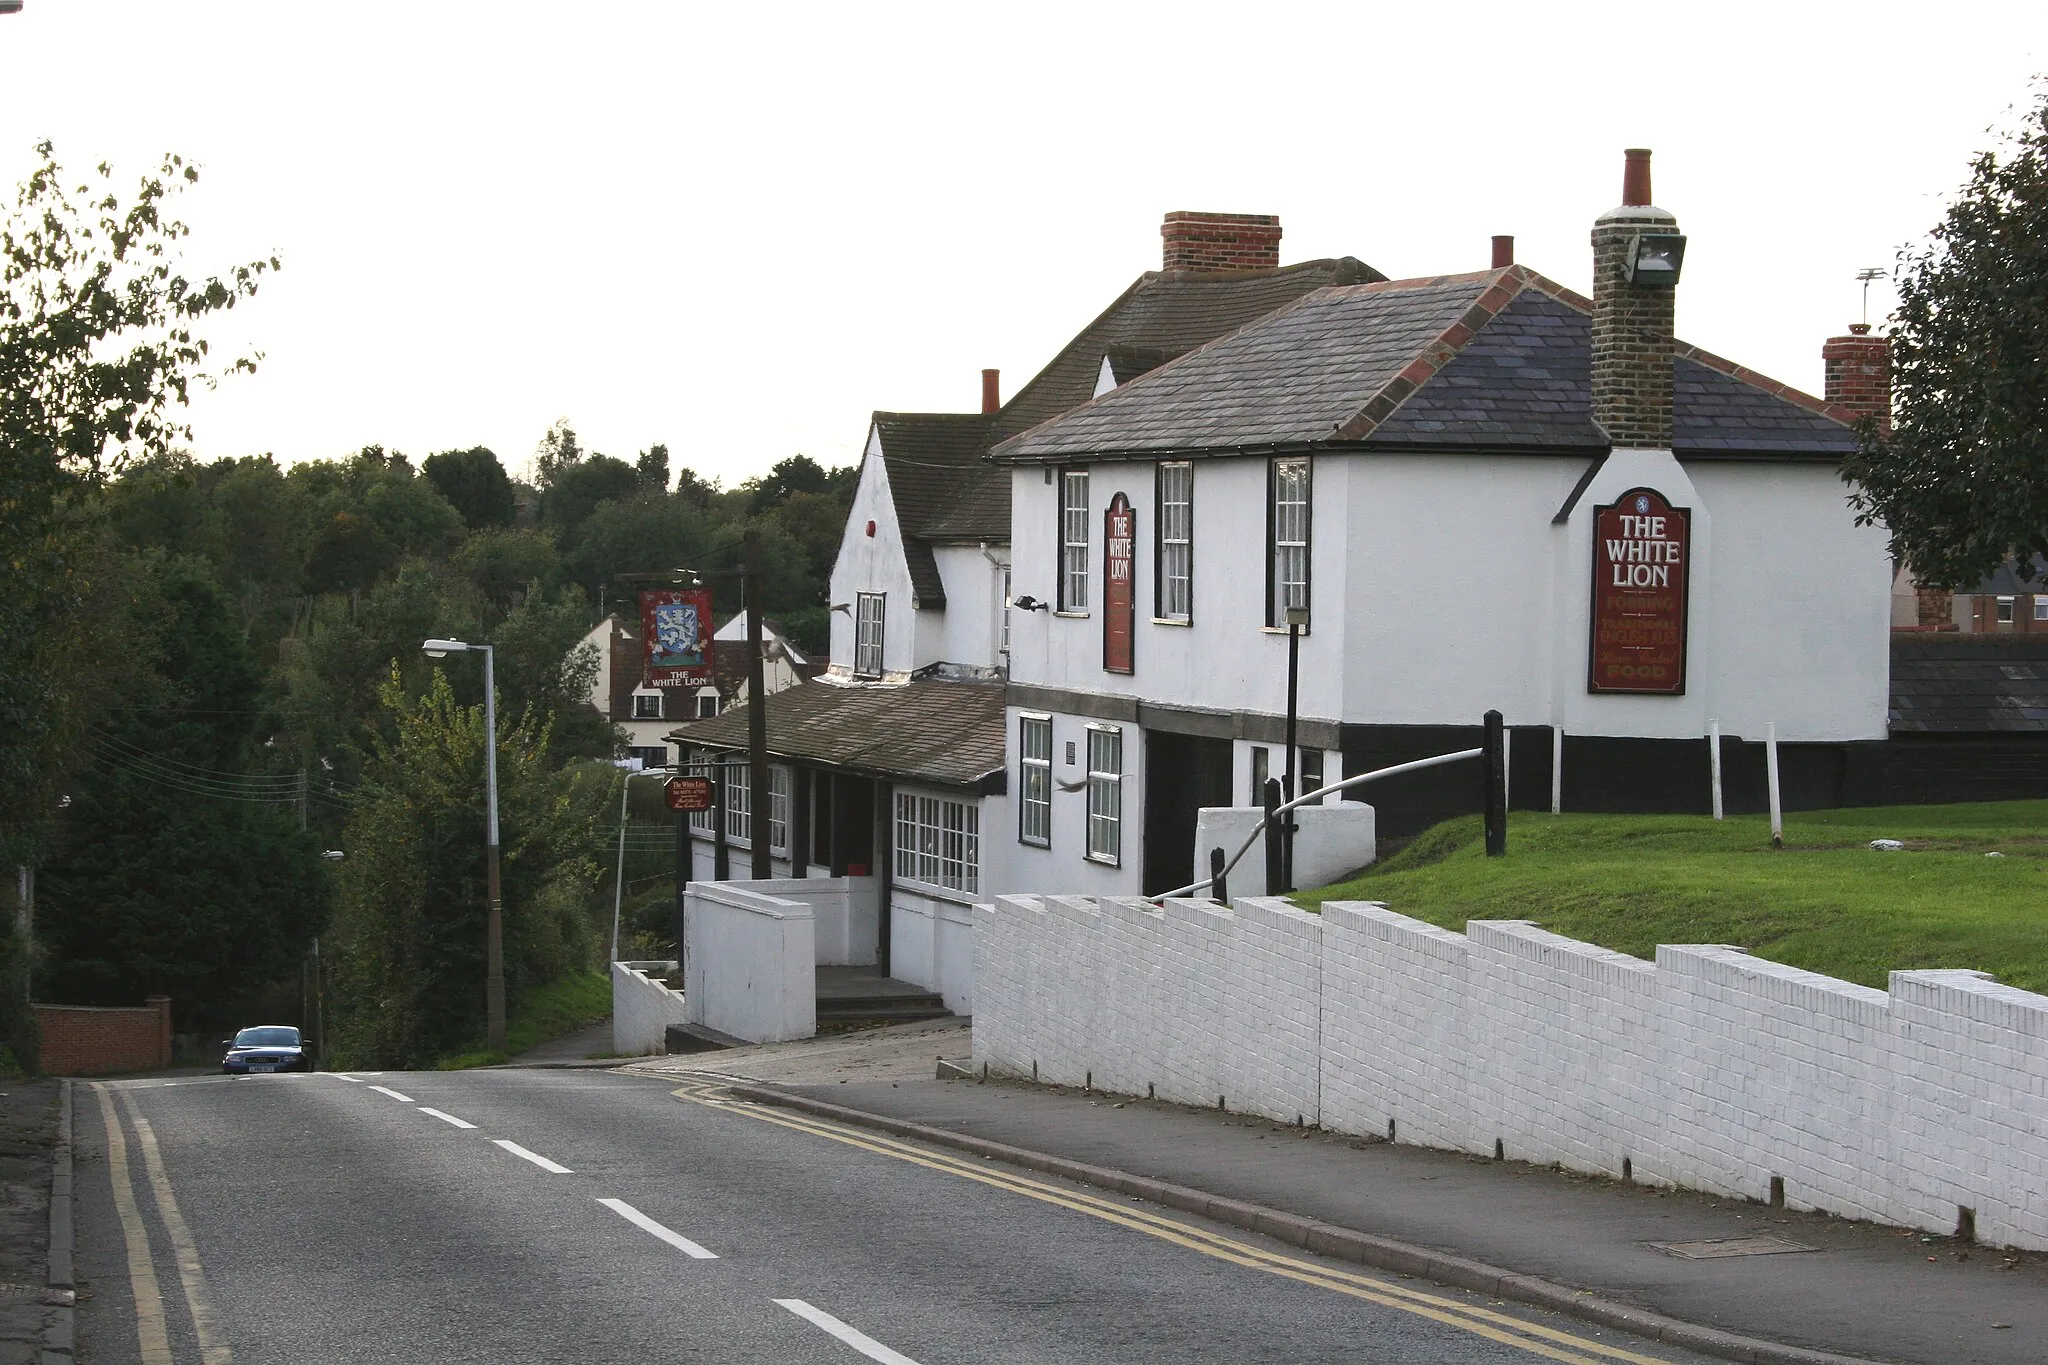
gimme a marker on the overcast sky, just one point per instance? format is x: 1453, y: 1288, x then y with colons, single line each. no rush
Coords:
x: 740, y: 228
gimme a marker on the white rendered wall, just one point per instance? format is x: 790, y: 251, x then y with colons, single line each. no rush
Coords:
x: 874, y: 564
x: 642, y: 1009
x: 1707, y: 1068
x: 844, y: 911
x: 749, y: 963
x: 931, y: 943
x: 968, y: 631
x: 1066, y: 862
x: 1330, y: 842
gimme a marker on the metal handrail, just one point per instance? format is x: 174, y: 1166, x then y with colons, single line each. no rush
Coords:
x: 1317, y: 795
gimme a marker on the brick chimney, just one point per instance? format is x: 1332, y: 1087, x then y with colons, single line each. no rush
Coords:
x: 991, y: 391
x: 1212, y: 242
x: 1631, y: 322
x: 1859, y: 373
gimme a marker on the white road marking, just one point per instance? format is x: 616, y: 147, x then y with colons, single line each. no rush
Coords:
x: 646, y: 1224
x: 859, y: 1341
x: 535, y: 1157
x: 387, y: 1090
x: 447, y: 1118
x: 352, y: 1080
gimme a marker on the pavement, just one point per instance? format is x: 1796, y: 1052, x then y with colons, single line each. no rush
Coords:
x: 580, y: 1046
x: 607, y: 1216
x: 28, y: 1133
x: 1856, y: 1289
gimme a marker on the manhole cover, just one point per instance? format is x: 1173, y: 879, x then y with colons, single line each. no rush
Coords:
x: 1718, y: 1247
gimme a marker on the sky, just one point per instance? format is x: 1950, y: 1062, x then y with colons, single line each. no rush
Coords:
x: 739, y: 229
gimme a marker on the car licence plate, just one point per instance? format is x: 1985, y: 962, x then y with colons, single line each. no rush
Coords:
x: 263, y: 1066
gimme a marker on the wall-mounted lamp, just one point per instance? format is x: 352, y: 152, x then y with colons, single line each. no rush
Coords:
x: 1655, y: 258
x: 1028, y: 603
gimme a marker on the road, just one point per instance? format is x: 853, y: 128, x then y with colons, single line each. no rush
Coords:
x: 592, y: 1217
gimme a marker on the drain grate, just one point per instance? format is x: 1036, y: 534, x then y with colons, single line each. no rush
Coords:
x: 1716, y: 1248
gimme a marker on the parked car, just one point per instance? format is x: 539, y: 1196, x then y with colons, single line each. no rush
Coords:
x: 268, y: 1047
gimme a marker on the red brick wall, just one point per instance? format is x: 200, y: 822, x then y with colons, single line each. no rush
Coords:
x: 1221, y: 241
x: 1858, y: 372
x: 87, y: 1040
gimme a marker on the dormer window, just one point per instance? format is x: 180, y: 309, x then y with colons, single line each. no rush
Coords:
x: 646, y: 706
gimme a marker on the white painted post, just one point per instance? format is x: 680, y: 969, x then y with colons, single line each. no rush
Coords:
x: 1714, y: 761
x: 1771, y: 770
x: 1556, y: 769
x: 1507, y: 766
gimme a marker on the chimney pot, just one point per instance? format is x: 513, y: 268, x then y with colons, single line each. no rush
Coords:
x: 1503, y: 251
x: 991, y: 391
x: 1214, y: 242
x: 1635, y: 178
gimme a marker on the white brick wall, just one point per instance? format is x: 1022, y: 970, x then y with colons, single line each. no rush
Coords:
x: 642, y: 1009
x: 1709, y: 1068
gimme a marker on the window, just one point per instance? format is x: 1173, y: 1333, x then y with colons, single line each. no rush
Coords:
x: 1174, y: 579
x: 867, y: 634
x: 938, y: 842
x: 1074, y: 540
x: 2005, y: 611
x: 739, y: 805
x: 1105, y: 794
x: 778, y: 808
x: 700, y: 820
x: 646, y: 707
x: 1262, y: 768
x: 1311, y: 771
x: 2041, y: 608
x: 650, y: 755
x: 1287, y: 568
x: 1034, y: 780
x: 707, y: 705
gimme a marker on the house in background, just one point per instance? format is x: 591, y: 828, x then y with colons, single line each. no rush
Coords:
x: 621, y: 694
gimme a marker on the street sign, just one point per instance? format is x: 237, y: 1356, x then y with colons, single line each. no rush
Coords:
x: 688, y: 793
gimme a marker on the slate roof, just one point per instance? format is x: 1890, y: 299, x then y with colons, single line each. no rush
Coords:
x: 939, y: 731
x: 2005, y: 581
x: 1969, y: 683
x: 1496, y: 361
x: 944, y: 489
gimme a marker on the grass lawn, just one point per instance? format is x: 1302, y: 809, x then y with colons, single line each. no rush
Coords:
x: 1827, y: 902
x: 555, y: 1009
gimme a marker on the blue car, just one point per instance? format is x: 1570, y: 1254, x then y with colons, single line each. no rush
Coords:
x: 271, y: 1047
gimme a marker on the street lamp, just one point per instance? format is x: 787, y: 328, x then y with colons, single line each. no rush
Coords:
x: 619, y: 877
x: 494, y: 925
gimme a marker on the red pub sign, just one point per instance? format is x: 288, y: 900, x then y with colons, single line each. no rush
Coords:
x: 675, y: 626
x: 1119, y: 584
x: 1642, y: 554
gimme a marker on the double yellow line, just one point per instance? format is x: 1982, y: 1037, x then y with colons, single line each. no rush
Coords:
x: 1533, y: 1337
x: 150, y: 1324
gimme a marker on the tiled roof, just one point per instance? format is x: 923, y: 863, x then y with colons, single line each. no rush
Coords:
x: 944, y: 489
x: 1499, y: 360
x: 1969, y: 683
x: 2005, y: 580
x: 934, y: 730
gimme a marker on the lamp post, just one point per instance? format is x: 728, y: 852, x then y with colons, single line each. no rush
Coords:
x: 494, y: 924
x: 1297, y: 617
x: 619, y: 878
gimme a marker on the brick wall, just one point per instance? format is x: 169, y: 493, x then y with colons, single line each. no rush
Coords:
x: 86, y: 1040
x: 1858, y: 373
x: 1221, y: 241
x: 1707, y: 1068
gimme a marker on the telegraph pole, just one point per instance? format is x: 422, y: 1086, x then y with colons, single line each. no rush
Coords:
x: 757, y: 716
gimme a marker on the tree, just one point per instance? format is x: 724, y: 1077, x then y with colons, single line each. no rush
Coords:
x: 1962, y: 479
x: 652, y: 467
x: 576, y: 490
x: 558, y: 450
x: 98, y: 351
x: 475, y: 483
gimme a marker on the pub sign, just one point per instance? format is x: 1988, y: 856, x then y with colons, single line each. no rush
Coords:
x: 1119, y: 584
x: 675, y: 626
x: 1642, y: 559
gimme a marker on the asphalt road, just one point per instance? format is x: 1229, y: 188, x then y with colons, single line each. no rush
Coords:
x: 590, y: 1217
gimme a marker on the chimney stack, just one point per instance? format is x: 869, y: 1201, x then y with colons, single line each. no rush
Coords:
x: 1503, y: 252
x: 1632, y: 319
x: 991, y: 391
x: 1214, y: 242
x: 1859, y: 373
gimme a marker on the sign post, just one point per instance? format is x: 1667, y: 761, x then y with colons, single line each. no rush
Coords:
x: 1642, y: 558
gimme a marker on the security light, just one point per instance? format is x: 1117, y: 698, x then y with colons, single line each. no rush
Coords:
x: 1654, y: 259
x: 1297, y: 616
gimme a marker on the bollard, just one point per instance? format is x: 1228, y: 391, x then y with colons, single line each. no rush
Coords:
x: 1276, y: 872
x: 1496, y: 786
x: 1218, y: 891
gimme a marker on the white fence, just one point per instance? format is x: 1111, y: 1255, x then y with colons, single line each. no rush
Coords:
x: 1709, y: 1068
x: 749, y: 963
x: 642, y: 1008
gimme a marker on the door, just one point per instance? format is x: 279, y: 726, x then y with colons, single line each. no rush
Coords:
x: 1183, y: 773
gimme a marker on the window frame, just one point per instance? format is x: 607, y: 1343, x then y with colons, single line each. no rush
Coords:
x: 1261, y: 765
x: 1302, y: 785
x: 646, y: 706
x: 1278, y: 469
x: 1072, y: 588
x: 703, y: 821
x: 1029, y: 766
x: 2041, y: 606
x: 940, y: 836
x: 739, y: 804
x: 1105, y: 790
x: 778, y: 808
x: 2005, y: 610
x: 1164, y: 576
x: 865, y: 651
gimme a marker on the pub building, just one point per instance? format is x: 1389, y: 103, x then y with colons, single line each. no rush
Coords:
x: 1470, y: 492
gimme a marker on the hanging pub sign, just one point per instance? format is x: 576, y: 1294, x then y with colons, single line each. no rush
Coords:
x: 1119, y: 585
x: 1642, y: 556
x: 675, y: 623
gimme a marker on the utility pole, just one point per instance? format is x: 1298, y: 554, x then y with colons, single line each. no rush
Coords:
x: 494, y: 928
x: 761, y: 799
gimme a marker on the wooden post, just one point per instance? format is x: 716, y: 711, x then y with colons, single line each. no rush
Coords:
x: 759, y: 800
x: 799, y: 820
x: 1496, y: 806
x: 1276, y: 844
x: 1219, y: 891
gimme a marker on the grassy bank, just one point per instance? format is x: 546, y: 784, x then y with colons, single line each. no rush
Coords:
x: 1827, y: 902
x: 553, y: 1010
